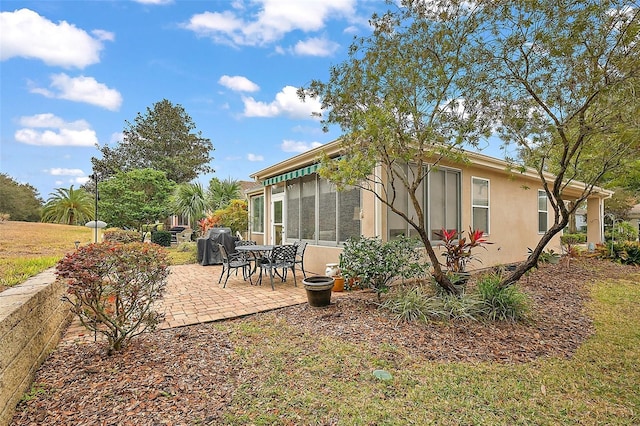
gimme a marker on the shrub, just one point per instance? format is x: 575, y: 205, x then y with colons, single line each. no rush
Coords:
x: 622, y: 231
x: 502, y: 303
x: 112, y: 288
x: 421, y: 304
x: 162, y: 238
x: 627, y: 252
x: 573, y: 239
x: 374, y: 263
x: 122, y: 236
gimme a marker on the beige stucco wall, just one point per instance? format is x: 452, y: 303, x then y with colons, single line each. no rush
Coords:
x: 513, y: 218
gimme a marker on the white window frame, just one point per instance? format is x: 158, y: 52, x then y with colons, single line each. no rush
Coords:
x: 543, y: 193
x: 487, y: 207
x: 252, y: 199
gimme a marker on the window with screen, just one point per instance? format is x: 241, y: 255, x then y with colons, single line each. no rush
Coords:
x: 480, y: 204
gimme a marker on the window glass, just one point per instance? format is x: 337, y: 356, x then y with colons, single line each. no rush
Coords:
x: 444, y: 201
x: 349, y: 214
x: 480, y: 204
x: 293, y: 209
x: 327, y: 206
x: 542, y: 211
x: 308, y: 208
x: 257, y: 213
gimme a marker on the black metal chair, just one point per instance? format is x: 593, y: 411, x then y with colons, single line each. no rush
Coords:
x: 301, y: 246
x: 281, y: 257
x: 234, y: 261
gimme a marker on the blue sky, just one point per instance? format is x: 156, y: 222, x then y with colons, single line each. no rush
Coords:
x: 72, y: 72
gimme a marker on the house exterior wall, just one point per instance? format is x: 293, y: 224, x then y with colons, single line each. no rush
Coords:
x: 513, y: 215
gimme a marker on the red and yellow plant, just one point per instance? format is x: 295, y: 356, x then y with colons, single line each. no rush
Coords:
x: 458, y: 248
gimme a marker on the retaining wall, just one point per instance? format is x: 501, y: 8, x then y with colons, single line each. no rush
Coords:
x: 32, y: 320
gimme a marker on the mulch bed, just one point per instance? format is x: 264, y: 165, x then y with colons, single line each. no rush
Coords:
x: 177, y: 376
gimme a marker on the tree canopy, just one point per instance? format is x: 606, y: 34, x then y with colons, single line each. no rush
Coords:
x: 164, y: 138
x: 557, y: 79
x: 69, y: 206
x: 21, y: 201
x: 131, y: 199
x: 221, y: 192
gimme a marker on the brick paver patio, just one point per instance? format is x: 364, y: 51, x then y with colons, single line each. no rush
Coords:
x: 194, y: 296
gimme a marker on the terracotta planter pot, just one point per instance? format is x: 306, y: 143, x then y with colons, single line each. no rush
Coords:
x: 338, y: 284
x: 318, y: 290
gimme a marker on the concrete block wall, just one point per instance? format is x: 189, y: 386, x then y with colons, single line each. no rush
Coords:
x: 32, y: 321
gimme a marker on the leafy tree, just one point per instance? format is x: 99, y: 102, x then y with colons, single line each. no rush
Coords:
x: 131, y: 199
x: 221, y: 192
x: 69, y: 206
x: 560, y: 78
x: 234, y: 216
x: 162, y: 139
x: 620, y: 204
x: 20, y: 201
x: 189, y: 199
x: 397, y: 101
x: 556, y: 78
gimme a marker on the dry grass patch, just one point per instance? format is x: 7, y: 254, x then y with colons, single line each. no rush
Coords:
x: 28, y: 248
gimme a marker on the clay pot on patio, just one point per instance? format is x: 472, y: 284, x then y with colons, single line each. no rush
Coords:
x: 318, y: 290
x: 338, y: 284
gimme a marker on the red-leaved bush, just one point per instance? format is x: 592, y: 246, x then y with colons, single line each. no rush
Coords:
x: 112, y: 288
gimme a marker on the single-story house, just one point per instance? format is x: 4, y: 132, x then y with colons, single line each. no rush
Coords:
x: 295, y: 203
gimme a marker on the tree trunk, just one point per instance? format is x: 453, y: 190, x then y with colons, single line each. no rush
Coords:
x: 440, y: 277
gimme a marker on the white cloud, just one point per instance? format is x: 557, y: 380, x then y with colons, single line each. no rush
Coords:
x: 297, y: 146
x: 116, y: 137
x: 271, y: 21
x: 65, y: 172
x: 26, y: 34
x: 254, y: 157
x: 81, y: 89
x: 238, y: 83
x: 58, y: 133
x: 81, y: 180
x: 286, y: 103
x: 316, y: 47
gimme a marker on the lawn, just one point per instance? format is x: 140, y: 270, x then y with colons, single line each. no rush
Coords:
x: 28, y: 248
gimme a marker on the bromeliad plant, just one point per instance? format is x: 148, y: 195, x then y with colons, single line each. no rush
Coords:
x: 458, y: 248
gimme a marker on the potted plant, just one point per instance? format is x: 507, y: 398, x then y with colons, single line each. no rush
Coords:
x: 458, y: 251
x: 318, y: 290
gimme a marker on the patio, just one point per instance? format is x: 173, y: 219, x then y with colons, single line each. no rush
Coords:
x: 194, y: 296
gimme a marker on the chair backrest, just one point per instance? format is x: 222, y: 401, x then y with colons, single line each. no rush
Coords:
x: 301, y: 246
x: 283, y: 254
x: 223, y: 254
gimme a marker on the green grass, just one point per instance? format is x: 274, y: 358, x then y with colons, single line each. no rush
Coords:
x: 307, y: 379
x: 16, y: 271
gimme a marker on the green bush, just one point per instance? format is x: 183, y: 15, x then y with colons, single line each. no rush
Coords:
x: 622, y: 231
x: 162, y: 238
x: 113, y: 287
x: 374, y: 263
x: 573, y: 239
x: 421, y: 304
x: 627, y: 253
x: 122, y: 236
x: 502, y: 303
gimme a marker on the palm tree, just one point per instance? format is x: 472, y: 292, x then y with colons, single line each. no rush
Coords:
x: 221, y: 192
x: 189, y: 200
x: 68, y: 206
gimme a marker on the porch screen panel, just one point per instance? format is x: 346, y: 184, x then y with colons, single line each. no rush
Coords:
x: 349, y: 214
x: 397, y: 226
x: 444, y: 201
x: 257, y: 213
x: 308, y: 208
x: 327, y: 211
x: 293, y: 210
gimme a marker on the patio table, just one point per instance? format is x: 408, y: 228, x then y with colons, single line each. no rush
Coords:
x: 257, y: 252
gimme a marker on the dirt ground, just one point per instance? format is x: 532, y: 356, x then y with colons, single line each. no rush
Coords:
x: 78, y: 384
